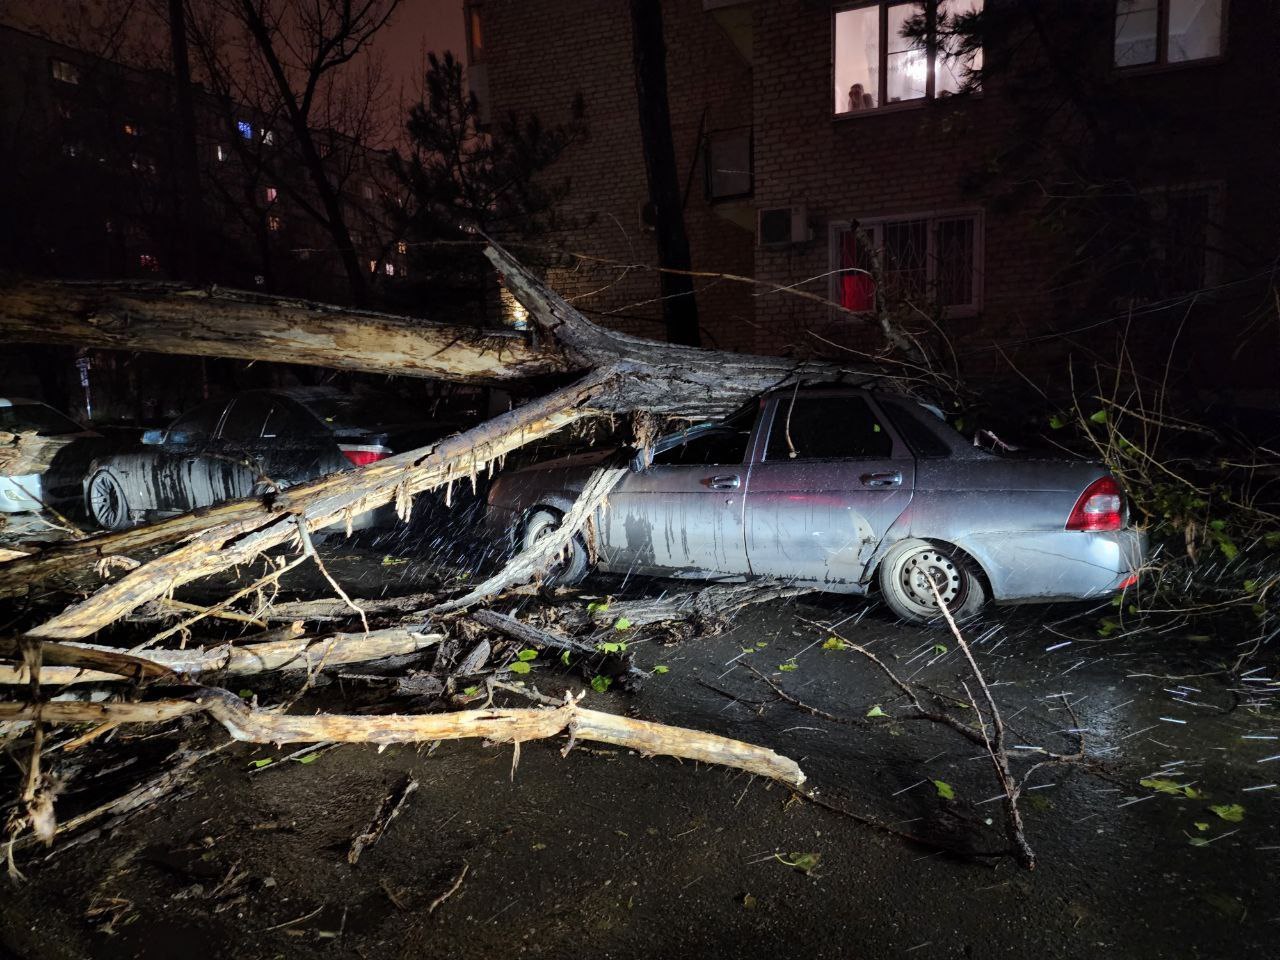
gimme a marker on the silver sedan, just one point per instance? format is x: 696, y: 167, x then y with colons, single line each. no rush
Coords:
x: 847, y: 491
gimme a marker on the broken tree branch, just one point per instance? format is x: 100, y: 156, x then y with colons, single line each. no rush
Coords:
x: 252, y: 725
x: 230, y: 659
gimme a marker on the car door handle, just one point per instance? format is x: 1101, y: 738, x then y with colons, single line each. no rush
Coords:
x: 882, y: 479
x: 729, y: 482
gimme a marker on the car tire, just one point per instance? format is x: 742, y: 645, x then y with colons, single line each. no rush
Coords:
x: 906, y: 592
x: 106, y: 503
x: 575, y: 562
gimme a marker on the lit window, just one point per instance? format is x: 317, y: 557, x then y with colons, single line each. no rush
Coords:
x: 245, y: 129
x: 142, y: 163
x: 268, y: 137
x: 271, y: 193
x: 869, y: 75
x: 373, y: 266
x: 933, y: 261
x: 274, y: 223
x: 402, y: 247
x: 220, y: 153
x: 66, y: 72
x: 131, y: 130
x: 389, y: 269
x: 475, y: 35
x: 148, y: 262
x: 1150, y: 32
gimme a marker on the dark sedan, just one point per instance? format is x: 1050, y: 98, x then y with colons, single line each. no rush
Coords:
x: 257, y: 441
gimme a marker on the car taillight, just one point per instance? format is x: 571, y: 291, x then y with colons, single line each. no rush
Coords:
x: 1100, y: 507
x: 364, y: 454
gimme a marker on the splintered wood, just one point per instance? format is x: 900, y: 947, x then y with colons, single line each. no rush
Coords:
x: 251, y: 725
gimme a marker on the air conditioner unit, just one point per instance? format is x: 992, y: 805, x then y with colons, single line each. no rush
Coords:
x: 780, y: 226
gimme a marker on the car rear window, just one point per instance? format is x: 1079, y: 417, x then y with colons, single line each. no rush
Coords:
x: 365, y: 412
x: 45, y: 420
x: 827, y: 428
x: 918, y: 435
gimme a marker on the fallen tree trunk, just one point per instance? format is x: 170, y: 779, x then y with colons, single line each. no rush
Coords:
x: 215, y: 322
x: 629, y: 374
x: 303, y: 653
x: 258, y: 526
x: 252, y: 725
x: 716, y: 603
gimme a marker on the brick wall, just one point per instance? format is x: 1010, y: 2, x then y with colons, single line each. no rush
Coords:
x: 538, y: 55
x: 1210, y: 122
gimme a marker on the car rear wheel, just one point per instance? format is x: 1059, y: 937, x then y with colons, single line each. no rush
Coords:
x: 905, y: 575
x: 572, y: 564
x: 107, y: 503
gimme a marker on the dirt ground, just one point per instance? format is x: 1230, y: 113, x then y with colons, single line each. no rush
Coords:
x: 609, y: 854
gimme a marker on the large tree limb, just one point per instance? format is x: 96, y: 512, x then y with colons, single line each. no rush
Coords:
x: 257, y: 526
x: 215, y: 322
x: 296, y: 653
x: 253, y: 725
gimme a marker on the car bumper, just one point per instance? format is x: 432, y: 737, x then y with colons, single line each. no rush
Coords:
x: 20, y: 494
x: 1059, y: 564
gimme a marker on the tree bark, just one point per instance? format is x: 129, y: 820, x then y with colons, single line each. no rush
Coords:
x: 649, y: 50
x: 213, y: 322
x: 503, y: 726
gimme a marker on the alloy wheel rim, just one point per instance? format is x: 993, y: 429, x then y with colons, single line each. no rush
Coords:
x: 106, y: 501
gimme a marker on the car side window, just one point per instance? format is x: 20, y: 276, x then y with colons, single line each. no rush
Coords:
x: 196, y: 425
x: 826, y: 428
x: 286, y: 423
x: 718, y: 445
x: 245, y: 418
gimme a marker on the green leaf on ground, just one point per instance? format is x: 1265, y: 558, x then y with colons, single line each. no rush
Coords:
x: 390, y: 561
x: 600, y: 684
x: 520, y: 666
x: 245, y: 694
x: 876, y: 712
x: 470, y: 691
x: 527, y: 655
x: 1099, y: 417
x: 788, y: 666
x: 597, y: 606
x: 1056, y: 422
x: 939, y: 648
x: 1230, y: 812
x: 564, y: 658
x: 945, y: 790
x: 804, y: 862
x: 835, y: 643
x: 748, y: 902
x: 1201, y: 826
x: 309, y: 758
x: 1167, y: 786
x: 661, y: 669
x: 622, y: 623
x: 611, y: 647
x: 259, y: 764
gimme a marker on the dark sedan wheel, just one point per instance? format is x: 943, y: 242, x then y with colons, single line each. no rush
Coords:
x: 107, y: 504
x: 907, y: 571
x: 573, y: 563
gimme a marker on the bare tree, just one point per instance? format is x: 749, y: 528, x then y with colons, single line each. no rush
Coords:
x: 305, y: 73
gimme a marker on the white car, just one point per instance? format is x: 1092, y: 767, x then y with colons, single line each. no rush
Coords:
x: 57, y: 473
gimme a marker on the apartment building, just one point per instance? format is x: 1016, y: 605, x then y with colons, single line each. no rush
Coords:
x: 1045, y: 180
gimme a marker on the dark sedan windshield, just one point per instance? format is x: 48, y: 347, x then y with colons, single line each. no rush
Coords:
x: 44, y: 420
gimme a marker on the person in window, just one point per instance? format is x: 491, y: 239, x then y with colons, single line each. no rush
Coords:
x: 859, y: 99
